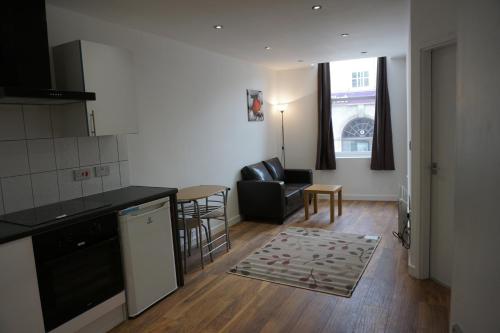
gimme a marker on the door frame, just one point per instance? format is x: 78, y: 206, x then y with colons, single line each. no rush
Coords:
x: 426, y: 155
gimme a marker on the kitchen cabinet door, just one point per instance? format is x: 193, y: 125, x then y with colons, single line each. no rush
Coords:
x: 20, y: 307
x: 108, y: 71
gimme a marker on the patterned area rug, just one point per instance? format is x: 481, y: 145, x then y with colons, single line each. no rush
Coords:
x: 311, y: 258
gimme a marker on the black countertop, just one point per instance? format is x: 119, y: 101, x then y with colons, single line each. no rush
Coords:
x: 115, y: 200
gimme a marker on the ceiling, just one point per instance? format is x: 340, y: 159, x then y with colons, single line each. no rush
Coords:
x: 290, y: 27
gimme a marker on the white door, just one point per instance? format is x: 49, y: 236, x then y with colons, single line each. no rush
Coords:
x: 443, y: 109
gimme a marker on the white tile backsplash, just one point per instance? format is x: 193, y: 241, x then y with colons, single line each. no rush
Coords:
x: 41, y: 155
x: 45, y: 188
x: 124, y: 173
x: 68, y: 188
x: 11, y: 122
x: 36, y: 169
x: 92, y: 185
x: 108, y: 148
x: 122, y: 147
x: 37, y: 120
x: 66, y: 150
x: 17, y: 193
x: 69, y: 120
x: 112, y: 182
x: 88, y: 151
x: 14, y: 158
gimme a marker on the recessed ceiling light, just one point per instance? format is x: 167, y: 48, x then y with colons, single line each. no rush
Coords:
x: 344, y: 35
x: 300, y: 60
x: 364, y: 52
x: 267, y: 47
x: 312, y: 65
x: 316, y: 7
x: 218, y: 27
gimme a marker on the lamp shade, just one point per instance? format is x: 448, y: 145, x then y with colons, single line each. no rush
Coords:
x: 281, y: 107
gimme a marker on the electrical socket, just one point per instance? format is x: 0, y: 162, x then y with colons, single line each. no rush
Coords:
x: 101, y: 171
x: 82, y: 174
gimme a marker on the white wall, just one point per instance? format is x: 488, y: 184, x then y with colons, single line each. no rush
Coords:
x: 432, y: 23
x: 191, y: 105
x: 475, y: 293
x: 475, y: 282
x: 298, y: 88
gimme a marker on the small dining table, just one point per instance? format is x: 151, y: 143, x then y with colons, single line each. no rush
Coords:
x: 199, y: 192
x: 194, y: 211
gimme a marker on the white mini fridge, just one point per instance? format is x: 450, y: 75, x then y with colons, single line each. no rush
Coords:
x: 148, y: 254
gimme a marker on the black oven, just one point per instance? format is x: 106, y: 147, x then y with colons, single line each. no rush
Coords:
x: 78, y: 267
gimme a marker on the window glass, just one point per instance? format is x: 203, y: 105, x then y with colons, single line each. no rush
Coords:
x: 353, y: 105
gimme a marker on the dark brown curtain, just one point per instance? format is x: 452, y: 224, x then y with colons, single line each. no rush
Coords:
x: 382, y: 151
x: 325, y: 154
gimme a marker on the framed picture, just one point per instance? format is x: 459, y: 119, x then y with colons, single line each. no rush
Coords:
x: 255, y: 105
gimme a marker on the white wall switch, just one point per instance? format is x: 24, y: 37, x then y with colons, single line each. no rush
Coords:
x: 101, y: 171
x: 82, y: 174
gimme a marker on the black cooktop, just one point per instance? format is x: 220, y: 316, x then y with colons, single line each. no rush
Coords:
x: 50, y: 213
x: 113, y: 201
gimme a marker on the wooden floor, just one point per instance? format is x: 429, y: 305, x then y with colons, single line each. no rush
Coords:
x: 386, y: 299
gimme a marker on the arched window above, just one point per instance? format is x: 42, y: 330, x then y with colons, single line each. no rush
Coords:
x: 357, y: 135
x: 358, y: 128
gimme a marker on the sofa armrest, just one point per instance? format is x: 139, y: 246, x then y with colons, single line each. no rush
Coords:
x: 261, y: 199
x: 302, y: 176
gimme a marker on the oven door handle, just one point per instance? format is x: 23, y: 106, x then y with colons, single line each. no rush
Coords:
x: 54, y: 260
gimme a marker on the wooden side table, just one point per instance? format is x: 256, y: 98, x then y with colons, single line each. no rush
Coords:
x: 316, y: 189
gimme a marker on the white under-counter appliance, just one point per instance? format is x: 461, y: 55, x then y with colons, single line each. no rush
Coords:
x: 148, y: 254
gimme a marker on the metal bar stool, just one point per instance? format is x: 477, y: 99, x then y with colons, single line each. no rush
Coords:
x: 219, y: 199
x: 187, y: 224
x: 192, y: 212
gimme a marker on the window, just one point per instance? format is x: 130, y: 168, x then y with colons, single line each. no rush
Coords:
x: 360, y: 79
x: 357, y: 135
x: 353, y: 105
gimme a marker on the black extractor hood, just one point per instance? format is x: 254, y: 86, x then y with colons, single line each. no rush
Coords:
x: 24, y: 57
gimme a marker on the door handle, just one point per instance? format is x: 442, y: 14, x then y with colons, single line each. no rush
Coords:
x: 92, y: 116
x: 434, y: 168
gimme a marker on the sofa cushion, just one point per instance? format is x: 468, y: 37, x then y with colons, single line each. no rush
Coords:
x: 275, y: 168
x: 292, y: 189
x: 294, y: 196
x: 256, y: 171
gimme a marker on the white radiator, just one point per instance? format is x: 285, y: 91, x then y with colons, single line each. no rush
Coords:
x: 403, y: 232
x: 402, y: 216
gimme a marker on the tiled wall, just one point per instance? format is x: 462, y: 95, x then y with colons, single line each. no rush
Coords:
x: 37, y: 169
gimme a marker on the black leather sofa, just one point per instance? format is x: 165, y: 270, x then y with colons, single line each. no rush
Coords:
x: 269, y: 192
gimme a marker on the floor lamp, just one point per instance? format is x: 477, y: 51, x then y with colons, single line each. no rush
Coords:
x: 282, y: 108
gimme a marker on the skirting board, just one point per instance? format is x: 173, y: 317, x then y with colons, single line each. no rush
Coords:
x: 100, y: 318
x: 364, y: 197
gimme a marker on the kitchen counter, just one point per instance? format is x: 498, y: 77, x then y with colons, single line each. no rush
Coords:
x: 111, y: 201
x: 115, y: 200
x: 44, y: 253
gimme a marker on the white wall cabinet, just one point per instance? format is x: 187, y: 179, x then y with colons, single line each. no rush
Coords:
x: 20, y: 307
x: 108, y: 71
